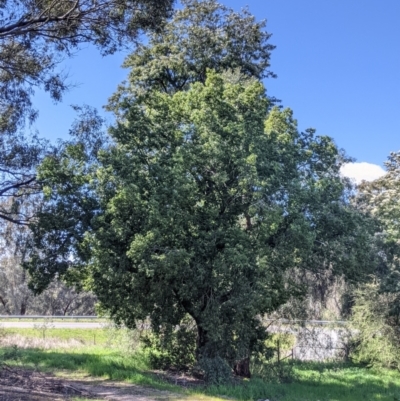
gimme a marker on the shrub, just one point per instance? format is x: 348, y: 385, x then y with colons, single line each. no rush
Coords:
x: 215, y: 370
x: 378, y: 338
x: 172, y: 347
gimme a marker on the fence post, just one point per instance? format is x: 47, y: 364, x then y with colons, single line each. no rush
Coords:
x: 279, y: 350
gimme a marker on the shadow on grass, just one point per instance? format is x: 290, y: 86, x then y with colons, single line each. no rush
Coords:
x: 314, y: 381
x: 320, y: 382
x: 108, y: 365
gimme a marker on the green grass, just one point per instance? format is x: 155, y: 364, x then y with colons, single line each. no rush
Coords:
x: 86, y: 336
x: 94, y: 361
x: 321, y: 382
x: 53, y: 319
x: 313, y: 381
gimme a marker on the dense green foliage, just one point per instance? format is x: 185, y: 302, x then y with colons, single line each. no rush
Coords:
x: 377, y: 340
x: 58, y: 235
x: 205, y: 200
x: 205, y: 209
x: 204, y: 197
x: 376, y: 312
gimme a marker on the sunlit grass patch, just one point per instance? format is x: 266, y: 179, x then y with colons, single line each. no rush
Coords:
x: 84, y: 336
x: 115, y: 361
x: 320, y: 382
x: 94, y: 361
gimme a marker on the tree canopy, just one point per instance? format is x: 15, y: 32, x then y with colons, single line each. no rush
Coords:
x: 35, y: 35
x: 66, y: 190
x: 207, y: 200
x: 202, y: 203
x: 204, y: 196
x: 202, y: 35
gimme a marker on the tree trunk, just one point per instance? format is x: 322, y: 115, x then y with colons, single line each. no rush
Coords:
x: 201, y: 340
x: 4, y: 303
x: 22, y: 310
x: 242, y: 368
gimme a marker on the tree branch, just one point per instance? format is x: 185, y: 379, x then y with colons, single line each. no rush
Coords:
x: 17, y: 185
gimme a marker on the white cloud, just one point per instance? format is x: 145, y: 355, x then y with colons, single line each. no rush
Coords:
x: 362, y: 171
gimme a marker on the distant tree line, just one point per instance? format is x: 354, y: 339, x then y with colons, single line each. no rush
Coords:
x: 15, y: 296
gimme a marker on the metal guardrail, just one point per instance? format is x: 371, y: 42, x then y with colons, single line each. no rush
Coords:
x: 68, y: 317
x: 36, y: 317
x: 310, y: 322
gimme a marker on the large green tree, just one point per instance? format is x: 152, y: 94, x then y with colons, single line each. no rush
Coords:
x: 208, y: 199
x: 204, y: 196
x: 199, y: 27
x: 202, y: 204
x: 187, y: 216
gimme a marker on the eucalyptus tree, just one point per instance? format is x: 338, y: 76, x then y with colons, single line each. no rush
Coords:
x: 35, y: 35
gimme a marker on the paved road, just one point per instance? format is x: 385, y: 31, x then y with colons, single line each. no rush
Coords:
x: 54, y: 325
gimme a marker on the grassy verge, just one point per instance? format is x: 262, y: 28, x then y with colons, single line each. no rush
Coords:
x: 320, y: 382
x: 98, y: 362
x: 113, y: 360
x: 94, y: 361
x: 85, y: 336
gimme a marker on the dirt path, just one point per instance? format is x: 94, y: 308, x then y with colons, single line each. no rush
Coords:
x: 100, y: 391
x: 21, y: 394
x: 18, y: 384
x: 116, y: 391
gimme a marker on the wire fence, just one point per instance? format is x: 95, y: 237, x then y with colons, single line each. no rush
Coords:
x: 309, y: 340
x: 53, y: 317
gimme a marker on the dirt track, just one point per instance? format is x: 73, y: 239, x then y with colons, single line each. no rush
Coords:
x: 24, y: 385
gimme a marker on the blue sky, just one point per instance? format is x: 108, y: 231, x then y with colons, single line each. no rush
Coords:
x: 338, y: 67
